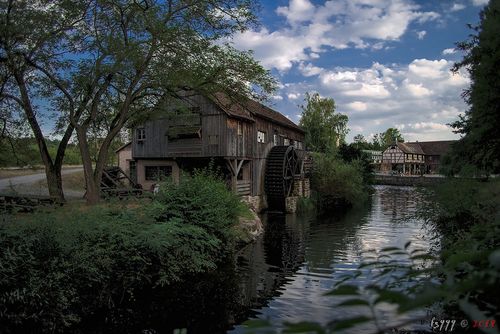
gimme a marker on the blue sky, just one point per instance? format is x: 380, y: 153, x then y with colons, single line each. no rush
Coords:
x: 385, y: 62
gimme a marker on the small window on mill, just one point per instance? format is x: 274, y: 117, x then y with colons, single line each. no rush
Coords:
x: 141, y: 134
x: 261, y: 137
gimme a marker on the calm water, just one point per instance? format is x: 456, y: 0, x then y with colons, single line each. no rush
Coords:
x: 285, y: 275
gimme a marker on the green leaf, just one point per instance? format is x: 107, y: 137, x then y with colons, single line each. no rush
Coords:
x: 390, y: 296
x: 348, y: 323
x: 389, y: 249
x: 423, y: 257
x: 407, y: 244
x: 304, y: 327
x: 344, y: 290
x: 256, y: 324
x: 354, y: 302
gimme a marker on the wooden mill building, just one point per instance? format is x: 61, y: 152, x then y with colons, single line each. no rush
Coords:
x: 259, y: 149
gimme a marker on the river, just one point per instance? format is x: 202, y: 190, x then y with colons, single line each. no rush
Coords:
x: 284, y: 275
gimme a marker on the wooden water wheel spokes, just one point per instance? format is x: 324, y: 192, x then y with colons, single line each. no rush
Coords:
x: 281, y: 167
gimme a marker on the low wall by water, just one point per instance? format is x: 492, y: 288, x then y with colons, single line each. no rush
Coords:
x: 396, y: 180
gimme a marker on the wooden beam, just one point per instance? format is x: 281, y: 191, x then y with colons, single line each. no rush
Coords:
x: 238, y: 167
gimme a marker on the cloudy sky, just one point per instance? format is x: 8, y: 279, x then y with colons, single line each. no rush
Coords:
x: 385, y: 62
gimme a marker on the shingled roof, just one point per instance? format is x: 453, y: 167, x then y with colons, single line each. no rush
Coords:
x: 412, y: 148
x: 440, y: 147
x: 249, y: 109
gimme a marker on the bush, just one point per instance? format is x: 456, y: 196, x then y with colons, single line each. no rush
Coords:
x: 335, y: 181
x: 203, y: 200
x: 62, y: 267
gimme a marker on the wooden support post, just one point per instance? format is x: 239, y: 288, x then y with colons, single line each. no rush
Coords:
x: 234, y: 167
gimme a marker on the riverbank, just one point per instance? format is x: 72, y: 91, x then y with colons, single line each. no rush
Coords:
x: 74, y: 267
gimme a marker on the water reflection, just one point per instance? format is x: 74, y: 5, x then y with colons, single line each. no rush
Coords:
x: 281, y: 277
x: 300, y: 258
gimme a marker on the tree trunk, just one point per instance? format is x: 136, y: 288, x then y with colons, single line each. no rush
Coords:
x: 92, y: 194
x: 54, y: 182
x: 52, y: 171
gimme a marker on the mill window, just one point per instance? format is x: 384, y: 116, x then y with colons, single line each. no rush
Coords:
x: 156, y: 173
x: 261, y: 137
x: 141, y: 134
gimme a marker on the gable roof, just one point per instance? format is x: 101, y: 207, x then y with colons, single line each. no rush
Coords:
x: 249, y: 109
x: 439, y: 147
x: 122, y: 147
x: 412, y: 148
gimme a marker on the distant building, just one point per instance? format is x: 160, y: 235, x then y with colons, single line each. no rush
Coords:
x: 374, y: 156
x: 415, y: 158
x: 434, y: 151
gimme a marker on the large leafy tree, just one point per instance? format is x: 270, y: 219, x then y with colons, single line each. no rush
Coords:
x: 100, y: 64
x: 325, y: 129
x: 480, y: 145
x: 390, y: 136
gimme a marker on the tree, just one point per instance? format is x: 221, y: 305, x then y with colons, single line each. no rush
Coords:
x: 111, y: 62
x: 480, y: 145
x: 32, y: 33
x: 325, y: 129
x: 376, y: 143
x: 360, y: 142
x: 390, y: 136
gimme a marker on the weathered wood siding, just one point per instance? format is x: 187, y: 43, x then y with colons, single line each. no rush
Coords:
x: 270, y: 129
x: 240, y: 141
x: 158, y: 145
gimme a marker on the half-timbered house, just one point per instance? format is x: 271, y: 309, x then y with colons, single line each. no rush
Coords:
x: 415, y: 157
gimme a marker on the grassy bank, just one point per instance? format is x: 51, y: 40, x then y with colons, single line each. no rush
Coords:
x: 61, y: 268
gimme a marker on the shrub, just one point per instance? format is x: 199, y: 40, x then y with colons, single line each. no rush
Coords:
x: 203, y: 200
x: 334, y: 180
x: 61, y: 267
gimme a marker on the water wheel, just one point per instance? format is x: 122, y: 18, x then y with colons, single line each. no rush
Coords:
x: 281, y: 166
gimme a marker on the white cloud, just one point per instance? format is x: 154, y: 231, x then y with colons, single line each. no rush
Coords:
x: 293, y: 96
x: 421, y: 34
x: 417, y: 90
x: 297, y: 11
x: 357, y: 106
x: 420, y: 97
x: 449, y: 51
x: 479, y: 2
x: 457, y: 6
x: 309, y: 69
x: 429, y: 126
x: 430, y: 69
x: 277, y: 97
x: 336, y: 24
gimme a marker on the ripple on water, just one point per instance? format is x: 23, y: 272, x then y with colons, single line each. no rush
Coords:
x: 311, y: 255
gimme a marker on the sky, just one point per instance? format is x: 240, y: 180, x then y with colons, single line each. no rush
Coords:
x: 386, y: 63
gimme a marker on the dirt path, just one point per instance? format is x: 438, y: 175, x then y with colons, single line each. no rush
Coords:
x: 31, y: 185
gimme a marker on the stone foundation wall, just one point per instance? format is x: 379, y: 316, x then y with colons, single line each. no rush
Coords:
x: 302, y: 188
x: 307, y: 188
x: 256, y: 203
x: 291, y: 204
